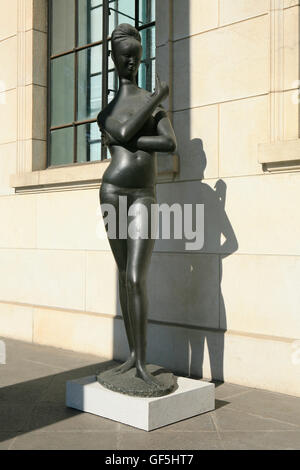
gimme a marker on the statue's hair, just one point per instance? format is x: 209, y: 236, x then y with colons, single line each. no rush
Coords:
x: 124, y: 31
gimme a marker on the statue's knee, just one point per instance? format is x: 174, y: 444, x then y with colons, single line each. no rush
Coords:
x: 122, y: 278
x: 135, y: 284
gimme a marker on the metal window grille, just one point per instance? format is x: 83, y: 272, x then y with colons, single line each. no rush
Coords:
x: 75, y: 138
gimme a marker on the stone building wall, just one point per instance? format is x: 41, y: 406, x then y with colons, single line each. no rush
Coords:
x: 231, y: 309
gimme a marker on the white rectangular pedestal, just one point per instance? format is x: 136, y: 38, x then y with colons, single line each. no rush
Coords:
x: 192, y: 397
x: 2, y: 352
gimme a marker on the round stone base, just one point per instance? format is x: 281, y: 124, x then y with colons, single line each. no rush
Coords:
x: 128, y: 384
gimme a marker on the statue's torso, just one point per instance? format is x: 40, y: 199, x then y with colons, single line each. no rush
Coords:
x: 130, y: 167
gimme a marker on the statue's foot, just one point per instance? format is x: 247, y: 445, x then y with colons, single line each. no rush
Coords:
x: 129, y: 364
x: 139, y: 381
x: 143, y: 374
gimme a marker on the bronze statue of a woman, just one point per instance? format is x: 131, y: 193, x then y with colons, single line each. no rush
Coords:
x: 135, y: 127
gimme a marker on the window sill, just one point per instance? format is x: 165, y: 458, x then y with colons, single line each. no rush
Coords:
x: 86, y: 174
x: 280, y: 156
x: 83, y: 175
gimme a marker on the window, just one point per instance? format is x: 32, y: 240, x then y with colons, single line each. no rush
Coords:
x: 82, y: 78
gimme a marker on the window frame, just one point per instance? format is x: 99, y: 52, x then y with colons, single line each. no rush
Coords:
x: 104, y: 42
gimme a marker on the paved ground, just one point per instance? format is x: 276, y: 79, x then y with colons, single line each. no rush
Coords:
x: 33, y: 413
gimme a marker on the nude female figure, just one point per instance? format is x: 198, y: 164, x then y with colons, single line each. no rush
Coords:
x: 135, y: 127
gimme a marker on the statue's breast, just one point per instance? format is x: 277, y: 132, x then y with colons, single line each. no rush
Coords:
x: 123, y: 115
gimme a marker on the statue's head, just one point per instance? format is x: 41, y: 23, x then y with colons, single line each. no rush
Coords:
x: 126, y: 50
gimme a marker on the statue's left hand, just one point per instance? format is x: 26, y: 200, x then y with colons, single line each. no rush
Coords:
x: 161, y: 89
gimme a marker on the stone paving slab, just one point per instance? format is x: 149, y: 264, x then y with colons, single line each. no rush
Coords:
x: 272, y: 440
x: 159, y: 440
x: 33, y: 414
x: 63, y: 440
x: 279, y: 407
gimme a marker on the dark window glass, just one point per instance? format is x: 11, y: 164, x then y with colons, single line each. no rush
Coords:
x: 88, y: 143
x: 146, y: 11
x: 148, y: 43
x: 89, y: 89
x: 62, y: 90
x: 89, y: 21
x: 121, y: 11
x: 62, y: 26
x: 78, y: 88
x: 62, y: 141
x: 147, y: 69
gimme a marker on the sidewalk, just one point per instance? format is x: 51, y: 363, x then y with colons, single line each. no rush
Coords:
x: 33, y: 413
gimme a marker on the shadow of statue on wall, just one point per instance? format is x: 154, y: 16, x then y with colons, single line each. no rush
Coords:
x: 220, y: 240
x: 185, y: 285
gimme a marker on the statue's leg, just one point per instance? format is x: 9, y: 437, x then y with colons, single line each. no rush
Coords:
x: 139, y: 253
x: 119, y: 250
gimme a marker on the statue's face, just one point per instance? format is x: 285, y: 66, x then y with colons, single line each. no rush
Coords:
x: 127, y: 57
